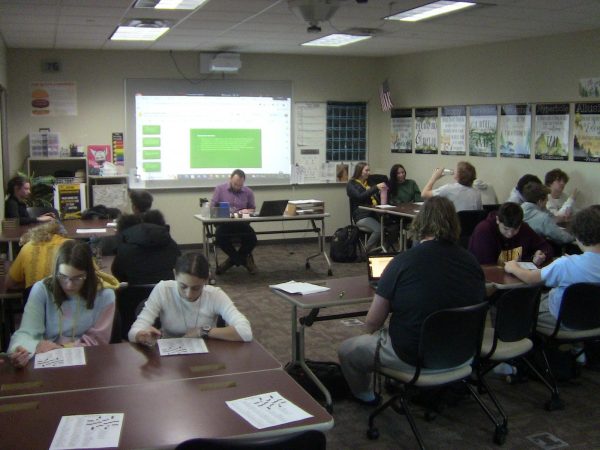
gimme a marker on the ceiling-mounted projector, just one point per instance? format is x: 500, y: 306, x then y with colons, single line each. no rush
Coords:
x: 220, y: 62
x: 314, y: 12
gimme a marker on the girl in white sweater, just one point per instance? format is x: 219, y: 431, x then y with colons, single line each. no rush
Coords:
x: 188, y: 307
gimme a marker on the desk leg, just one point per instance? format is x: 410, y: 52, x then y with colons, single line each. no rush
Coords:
x: 310, y: 373
x: 382, y: 232
x: 295, y: 337
x: 321, y: 241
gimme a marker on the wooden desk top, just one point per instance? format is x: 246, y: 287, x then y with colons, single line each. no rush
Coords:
x: 342, y: 291
x: 159, y: 415
x: 218, y: 220
x: 403, y: 210
x: 497, y: 277
x: 129, y: 364
x: 71, y: 226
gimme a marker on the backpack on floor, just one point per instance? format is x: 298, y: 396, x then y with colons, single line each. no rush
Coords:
x: 343, y: 244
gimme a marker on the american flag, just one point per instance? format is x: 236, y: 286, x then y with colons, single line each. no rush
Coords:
x: 385, y: 97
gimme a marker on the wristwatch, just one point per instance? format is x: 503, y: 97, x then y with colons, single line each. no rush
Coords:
x: 204, y: 331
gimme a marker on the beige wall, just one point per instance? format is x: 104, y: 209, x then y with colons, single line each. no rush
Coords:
x: 535, y: 70
x: 100, y: 80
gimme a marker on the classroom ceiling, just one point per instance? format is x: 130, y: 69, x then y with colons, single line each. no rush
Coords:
x: 270, y: 26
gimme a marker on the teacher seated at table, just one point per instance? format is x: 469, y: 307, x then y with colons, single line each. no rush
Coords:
x: 566, y: 270
x: 434, y: 275
x: 35, y: 260
x: 188, y: 307
x: 69, y: 308
x: 19, y: 189
x: 503, y: 236
x: 462, y: 193
x: 241, y: 200
x: 145, y: 252
x: 361, y: 194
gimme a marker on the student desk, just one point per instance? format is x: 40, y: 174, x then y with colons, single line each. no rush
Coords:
x: 12, y: 235
x: 210, y: 223
x: 498, y: 278
x: 403, y: 211
x: 342, y: 292
x: 128, y: 364
x: 160, y: 414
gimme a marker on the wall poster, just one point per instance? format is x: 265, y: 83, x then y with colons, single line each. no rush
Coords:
x: 483, y: 125
x: 453, y: 129
x: 586, y: 135
x: 402, y: 130
x: 551, y: 138
x: 426, y: 135
x: 514, y: 137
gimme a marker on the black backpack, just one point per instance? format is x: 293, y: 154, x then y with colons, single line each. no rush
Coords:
x: 343, y: 244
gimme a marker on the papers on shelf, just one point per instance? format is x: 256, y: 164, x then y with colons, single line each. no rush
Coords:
x: 88, y: 431
x: 385, y: 206
x: 90, y: 230
x: 61, y: 357
x: 181, y: 346
x: 527, y: 265
x: 297, y: 287
x: 419, y: 203
x: 267, y: 410
x: 111, y: 225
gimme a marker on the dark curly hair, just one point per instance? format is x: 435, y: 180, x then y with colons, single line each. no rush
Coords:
x: 586, y: 226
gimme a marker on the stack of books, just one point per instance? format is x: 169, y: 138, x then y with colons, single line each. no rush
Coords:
x: 302, y: 207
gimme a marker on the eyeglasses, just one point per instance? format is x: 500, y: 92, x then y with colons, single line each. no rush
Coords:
x: 75, y: 280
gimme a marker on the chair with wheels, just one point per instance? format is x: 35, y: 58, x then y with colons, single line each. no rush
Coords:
x: 578, y: 322
x: 508, y: 339
x: 313, y: 439
x: 449, y: 340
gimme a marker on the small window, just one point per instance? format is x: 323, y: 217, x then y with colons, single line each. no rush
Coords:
x: 346, y: 131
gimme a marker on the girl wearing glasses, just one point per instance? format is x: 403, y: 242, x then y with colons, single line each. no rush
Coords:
x: 69, y: 308
x: 187, y: 307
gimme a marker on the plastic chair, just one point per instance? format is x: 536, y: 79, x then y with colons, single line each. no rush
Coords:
x: 508, y: 339
x: 449, y: 339
x: 578, y: 321
x: 469, y: 219
x: 315, y: 440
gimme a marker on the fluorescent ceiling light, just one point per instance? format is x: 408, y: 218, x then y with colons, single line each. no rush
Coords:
x: 169, y: 4
x: 430, y: 10
x: 336, y: 40
x: 141, y: 30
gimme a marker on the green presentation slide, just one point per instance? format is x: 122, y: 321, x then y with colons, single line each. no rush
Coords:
x: 225, y: 148
x: 151, y: 141
x: 151, y: 166
x: 151, y: 154
x: 151, y: 129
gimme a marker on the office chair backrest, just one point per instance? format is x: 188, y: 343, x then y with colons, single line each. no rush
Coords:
x: 451, y: 337
x: 491, y: 207
x: 516, y: 312
x: 312, y: 439
x: 580, y: 307
x: 128, y: 299
x: 376, y: 178
x: 469, y: 219
x: 36, y: 211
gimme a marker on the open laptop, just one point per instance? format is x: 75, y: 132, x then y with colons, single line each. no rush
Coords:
x: 375, y: 266
x: 271, y: 208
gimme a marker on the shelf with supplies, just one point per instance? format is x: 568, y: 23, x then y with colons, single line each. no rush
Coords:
x: 303, y: 207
